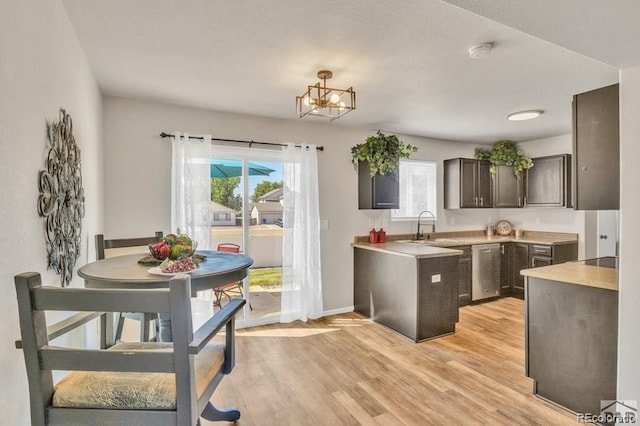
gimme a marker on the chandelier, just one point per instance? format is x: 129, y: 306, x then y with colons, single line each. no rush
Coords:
x: 325, y: 101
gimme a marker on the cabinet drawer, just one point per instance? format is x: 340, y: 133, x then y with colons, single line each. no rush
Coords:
x: 537, y: 261
x: 466, y: 250
x: 542, y: 250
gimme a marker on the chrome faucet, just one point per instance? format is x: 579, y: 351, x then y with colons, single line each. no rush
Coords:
x: 433, y: 224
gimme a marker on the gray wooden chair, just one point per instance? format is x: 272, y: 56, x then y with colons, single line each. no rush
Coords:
x: 145, y: 319
x: 138, y: 383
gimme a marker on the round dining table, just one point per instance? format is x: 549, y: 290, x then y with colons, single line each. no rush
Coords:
x: 217, y: 269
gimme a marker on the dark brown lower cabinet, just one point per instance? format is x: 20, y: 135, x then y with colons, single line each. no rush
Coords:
x: 506, y: 268
x: 415, y: 297
x: 525, y: 256
x: 464, y: 276
x: 520, y: 262
x: 571, y: 334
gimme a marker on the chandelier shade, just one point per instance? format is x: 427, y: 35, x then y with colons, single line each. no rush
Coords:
x: 324, y: 101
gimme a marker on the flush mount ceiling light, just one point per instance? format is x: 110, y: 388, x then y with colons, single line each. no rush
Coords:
x: 524, y: 115
x: 325, y: 101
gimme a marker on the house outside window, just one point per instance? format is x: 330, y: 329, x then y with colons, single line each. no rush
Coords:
x: 418, y: 189
x: 222, y: 216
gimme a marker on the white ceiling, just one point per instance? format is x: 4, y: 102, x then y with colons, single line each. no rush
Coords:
x: 407, y: 61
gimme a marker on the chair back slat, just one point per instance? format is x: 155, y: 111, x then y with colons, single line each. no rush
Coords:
x: 109, y: 300
x: 102, y: 244
x: 148, y: 361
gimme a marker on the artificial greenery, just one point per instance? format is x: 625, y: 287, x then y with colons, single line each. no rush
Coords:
x: 382, y: 153
x: 505, y: 152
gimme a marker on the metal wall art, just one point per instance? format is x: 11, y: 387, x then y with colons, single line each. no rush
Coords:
x: 61, y: 199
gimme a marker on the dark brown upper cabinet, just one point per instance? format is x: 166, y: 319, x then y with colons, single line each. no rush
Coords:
x: 548, y: 182
x: 596, y: 149
x: 508, y: 190
x: 467, y: 184
x: 378, y: 192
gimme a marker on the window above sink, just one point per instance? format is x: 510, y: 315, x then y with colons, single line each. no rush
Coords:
x: 418, y: 189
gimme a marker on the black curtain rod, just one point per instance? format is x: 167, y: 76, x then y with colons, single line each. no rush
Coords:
x: 167, y: 135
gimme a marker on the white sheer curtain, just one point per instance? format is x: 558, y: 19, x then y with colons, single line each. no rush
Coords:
x: 301, y: 274
x: 191, y: 203
x: 191, y: 187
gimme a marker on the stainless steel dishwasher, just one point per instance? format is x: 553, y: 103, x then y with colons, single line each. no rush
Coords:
x: 485, y: 271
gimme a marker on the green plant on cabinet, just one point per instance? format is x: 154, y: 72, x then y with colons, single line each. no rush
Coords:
x: 505, y: 152
x: 382, y: 153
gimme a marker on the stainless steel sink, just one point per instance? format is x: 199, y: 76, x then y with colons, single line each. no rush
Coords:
x: 436, y: 241
x: 447, y: 240
x: 418, y: 242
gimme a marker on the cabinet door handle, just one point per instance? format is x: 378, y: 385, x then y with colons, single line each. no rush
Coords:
x: 525, y: 201
x: 519, y: 201
x: 502, y: 249
x: 385, y: 204
x: 475, y: 201
x: 481, y: 201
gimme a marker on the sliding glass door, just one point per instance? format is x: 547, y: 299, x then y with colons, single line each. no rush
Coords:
x: 246, y: 203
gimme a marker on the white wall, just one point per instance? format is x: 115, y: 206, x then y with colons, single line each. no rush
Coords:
x: 137, y: 179
x: 137, y: 164
x: 629, y: 295
x: 42, y: 69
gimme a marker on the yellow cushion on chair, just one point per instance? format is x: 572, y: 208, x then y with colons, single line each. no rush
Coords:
x: 117, y: 390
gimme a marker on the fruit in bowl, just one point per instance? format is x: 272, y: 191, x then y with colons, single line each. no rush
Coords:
x: 173, y: 247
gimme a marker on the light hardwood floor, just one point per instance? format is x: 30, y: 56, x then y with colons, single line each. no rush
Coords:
x: 347, y: 370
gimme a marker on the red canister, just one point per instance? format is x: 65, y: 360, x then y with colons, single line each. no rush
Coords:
x: 382, y: 236
x: 373, y: 236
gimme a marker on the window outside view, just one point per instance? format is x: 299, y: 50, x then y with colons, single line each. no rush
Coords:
x: 418, y: 189
x: 263, y: 213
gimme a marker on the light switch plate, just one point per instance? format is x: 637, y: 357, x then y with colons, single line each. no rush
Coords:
x: 324, y: 224
x: 436, y: 278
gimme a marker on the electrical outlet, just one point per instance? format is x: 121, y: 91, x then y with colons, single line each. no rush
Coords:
x: 324, y: 224
x: 436, y: 278
x: 537, y: 221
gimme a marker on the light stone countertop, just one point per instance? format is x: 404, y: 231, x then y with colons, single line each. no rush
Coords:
x: 465, y: 238
x: 443, y: 243
x: 577, y: 273
x: 418, y: 251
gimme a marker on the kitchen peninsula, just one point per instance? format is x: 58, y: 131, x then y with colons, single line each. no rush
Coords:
x: 571, y: 332
x: 394, y: 280
x: 410, y: 288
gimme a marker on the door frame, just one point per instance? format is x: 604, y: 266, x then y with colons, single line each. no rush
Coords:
x: 245, y: 155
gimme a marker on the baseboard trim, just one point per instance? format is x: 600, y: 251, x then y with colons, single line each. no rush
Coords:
x: 337, y: 311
